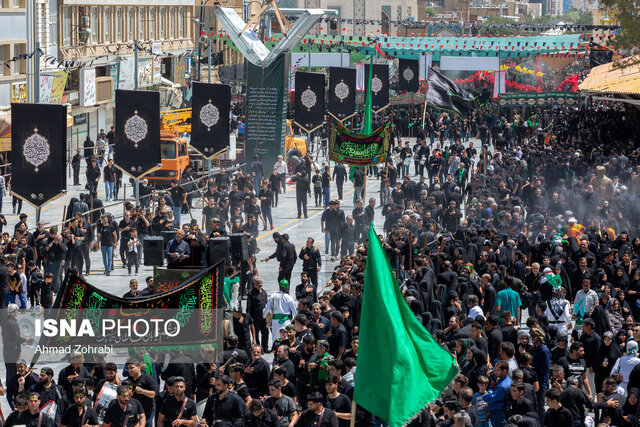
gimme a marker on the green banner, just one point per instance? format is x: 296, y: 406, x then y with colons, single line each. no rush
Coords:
x: 265, y: 111
x: 359, y: 150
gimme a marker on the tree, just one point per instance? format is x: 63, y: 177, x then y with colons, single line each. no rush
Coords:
x: 430, y: 12
x: 626, y: 13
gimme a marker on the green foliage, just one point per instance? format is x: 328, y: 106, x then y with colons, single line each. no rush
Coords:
x: 430, y: 12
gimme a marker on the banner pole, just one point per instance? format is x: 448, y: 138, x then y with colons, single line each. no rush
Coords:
x: 352, y: 422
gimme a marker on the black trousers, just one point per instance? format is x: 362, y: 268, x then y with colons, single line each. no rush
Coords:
x: 301, y: 201
x: 313, y: 278
x: 317, y: 193
x: 335, y: 243
x: 262, y: 332
x: 76, y: 175
x: 339, y: 187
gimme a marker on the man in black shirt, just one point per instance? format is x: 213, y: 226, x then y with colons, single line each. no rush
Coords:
x: 338, y: 402
x: 575, y: 366
x: 520, y: 405
x: 556, y: 415
x: 144, y: 389
x: 224, y: 406
x: 311, y: 264
x: 73, y: 370
x: 326, y: 181
x: 317, y: 414
x: 124, y: 411
x: 75, y: 165
x: 178, y: 407
x: 259, y: 416
x: 49, y: 391
x: 106, y: 241
x: 337, y: 336
x: 32, y: 417
x: 178, y: 197
x: 256, y: 300
x: 125, y: 227
x: 81, y: 414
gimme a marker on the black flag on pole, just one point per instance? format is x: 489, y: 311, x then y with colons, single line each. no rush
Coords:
x: 379, y: 86
x: 137, y: 147
x: 210, y: 118
x: 309, y: 100
x: 408, y: 74
x: 444, y: 94
x: 342, y: 92
x: 38, y: 150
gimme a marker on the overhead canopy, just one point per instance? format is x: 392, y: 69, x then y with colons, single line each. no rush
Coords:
x: 412, y: 47
x: 612, y: 78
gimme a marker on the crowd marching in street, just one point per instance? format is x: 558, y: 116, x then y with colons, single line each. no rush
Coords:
x: 514, y: 238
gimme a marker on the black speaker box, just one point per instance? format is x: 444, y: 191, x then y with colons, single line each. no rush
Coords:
x: 239, y: 247
x: 219, y: 249
x: 153, y: 249
x: 168, y: 235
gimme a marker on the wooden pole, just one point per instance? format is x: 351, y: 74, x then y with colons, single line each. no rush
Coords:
x: 352, y: 423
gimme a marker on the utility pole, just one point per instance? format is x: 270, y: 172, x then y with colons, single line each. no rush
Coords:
x: 30, y: 30
x: 135, y: 86
x: 209, y: 54
x: 135, y: 64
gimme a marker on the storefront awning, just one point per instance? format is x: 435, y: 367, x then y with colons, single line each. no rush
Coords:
x: 621, y: 77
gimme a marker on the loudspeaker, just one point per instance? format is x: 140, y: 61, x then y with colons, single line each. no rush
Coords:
x: 168, y: 235
x: 239, y: 247
x: 153, y: 249
x: 219, y: 249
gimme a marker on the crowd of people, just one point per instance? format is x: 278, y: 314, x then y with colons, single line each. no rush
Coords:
x: 519, y: 254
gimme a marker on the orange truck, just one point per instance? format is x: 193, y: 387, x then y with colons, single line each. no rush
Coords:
x: 174, y: 154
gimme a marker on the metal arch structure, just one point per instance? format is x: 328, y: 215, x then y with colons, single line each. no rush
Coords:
x: 248, y: 43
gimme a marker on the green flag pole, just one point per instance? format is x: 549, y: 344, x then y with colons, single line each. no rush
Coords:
x: 410, y: 367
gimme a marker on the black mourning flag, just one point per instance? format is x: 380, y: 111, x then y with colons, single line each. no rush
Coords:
x: 38, y: 151
x: 409, y: 73
x: 442, y: 93
x: 210, y: 118
x: 379, y: 85
x: 137, y: 149
x: 342, y: 92
x: 309, y: 100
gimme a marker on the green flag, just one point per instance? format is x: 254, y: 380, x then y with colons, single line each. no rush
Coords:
x: 401, y: 368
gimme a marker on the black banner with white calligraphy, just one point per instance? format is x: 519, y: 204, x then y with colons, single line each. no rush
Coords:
x: 379, y: 85
x: 309, y: 100
x: 342, y: 92
x: 210, y: 108
x: 137, y: 147
x: 266, y: 111
x: 408, y: 74
x: 38, y: 151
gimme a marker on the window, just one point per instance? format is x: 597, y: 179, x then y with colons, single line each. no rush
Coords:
x: 172, y: 22
x: 141, y: 22
x: 180, y: 22
x: 130, y: 18
x: 107, y: 25
x: 66, y: 26
x: 163, y: 22
x: 4, y: 70
x: 167, y: 150
x: 94, y: 26
x: 152, y: 23
x: 118, y: 24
